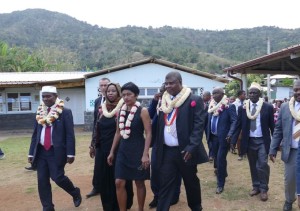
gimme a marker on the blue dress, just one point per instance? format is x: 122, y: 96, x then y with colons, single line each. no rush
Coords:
x: 130, y: 152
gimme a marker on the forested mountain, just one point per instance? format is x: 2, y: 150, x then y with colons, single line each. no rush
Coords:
x: 70, y: 44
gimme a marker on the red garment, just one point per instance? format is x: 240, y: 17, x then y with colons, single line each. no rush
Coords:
x: 47, y: 138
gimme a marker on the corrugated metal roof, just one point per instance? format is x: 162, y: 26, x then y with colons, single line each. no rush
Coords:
x: 32, y: 77
x: 161, y: 62
x: 285, y: 61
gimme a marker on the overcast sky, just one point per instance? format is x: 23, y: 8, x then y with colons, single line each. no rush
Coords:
x: 195, y: 14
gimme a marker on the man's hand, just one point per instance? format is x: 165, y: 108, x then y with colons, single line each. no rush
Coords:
x: 30, y: 159
x: 232, y: 148
x: 70, y: 160
x: 186, y: 155
x: 92, y: 152
x: 228, y: 139
x: 272, y: 158
x: 157, y: 96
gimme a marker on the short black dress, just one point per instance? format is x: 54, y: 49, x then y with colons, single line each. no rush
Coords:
x: 106, y: 128
x: 130, y: 152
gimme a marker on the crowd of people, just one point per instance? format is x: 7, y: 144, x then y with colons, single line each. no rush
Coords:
x: 173, y: 126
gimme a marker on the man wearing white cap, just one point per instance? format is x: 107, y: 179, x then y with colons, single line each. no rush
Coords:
x: 256, y: 120
x: 52, y: 146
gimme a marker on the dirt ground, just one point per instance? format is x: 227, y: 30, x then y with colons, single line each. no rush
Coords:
x: 18, y: 187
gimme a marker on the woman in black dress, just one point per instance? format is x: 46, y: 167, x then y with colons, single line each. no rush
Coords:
x: 106, y: 128
x: 132, y: 157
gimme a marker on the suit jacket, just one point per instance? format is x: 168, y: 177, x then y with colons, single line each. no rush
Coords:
x: 189, y: 126
x: 243, y: 123
x: 205, y: 118
x: 153, y: 115
x: 63, y: 137
x: 96, y: 111
x: 226, y: 124
x: 283, y: 133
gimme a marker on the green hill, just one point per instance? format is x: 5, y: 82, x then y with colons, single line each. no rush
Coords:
x: 77, y: 45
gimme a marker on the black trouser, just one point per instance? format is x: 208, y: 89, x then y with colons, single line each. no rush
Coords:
x: 172, y: 164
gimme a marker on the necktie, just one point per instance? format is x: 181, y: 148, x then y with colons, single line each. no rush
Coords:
x: 170, y: 114
x: 47, y: 138
x: 253, y: 122
x: 214, y: 125
x: 102, y: 100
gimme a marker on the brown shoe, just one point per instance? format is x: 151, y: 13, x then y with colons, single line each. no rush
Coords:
x: 264, y: 196
x: 254, y: 192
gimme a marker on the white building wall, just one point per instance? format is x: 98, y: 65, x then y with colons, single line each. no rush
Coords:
x: 76, y: 101
x: 145, y: 76
x: 283, y: 92
x: 35, y: 99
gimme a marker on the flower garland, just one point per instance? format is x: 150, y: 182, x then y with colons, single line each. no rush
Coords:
x: 258, y: 108
x: 44, y: 117
x: 108, y: 114
x: 292, y: 110
x: 167, y: 104
x: 217, y: 108
x: 125, y: 128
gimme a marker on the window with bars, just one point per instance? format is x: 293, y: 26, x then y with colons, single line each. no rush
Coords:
x: 18, y: 102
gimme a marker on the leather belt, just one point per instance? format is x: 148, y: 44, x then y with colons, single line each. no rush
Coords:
x: 256, y: 138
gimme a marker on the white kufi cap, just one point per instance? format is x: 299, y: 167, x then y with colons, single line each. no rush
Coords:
x: 50, y: 89
x: 255, y: 85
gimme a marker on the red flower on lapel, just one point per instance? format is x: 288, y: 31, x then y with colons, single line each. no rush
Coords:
x: 193, y: 103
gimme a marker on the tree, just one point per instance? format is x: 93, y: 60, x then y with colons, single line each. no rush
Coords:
x: 233, y: 86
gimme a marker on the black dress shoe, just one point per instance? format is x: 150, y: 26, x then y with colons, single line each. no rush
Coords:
x: 219, y: 190
x: 94, y: 192
x: 77, y: 198
x: 287, y: 206
x: 30, y: 168
x: 254, y: 192
x: 153, y: 203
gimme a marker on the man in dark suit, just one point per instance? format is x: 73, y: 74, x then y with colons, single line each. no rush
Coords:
x: 241, y: 96
x: 52, y: 146
x: 94, y: 147
x: 206, y: 99
x: 220, y: 127
x: 283, y: 138
x: 256, y: 120
x: 179, y: 147
x: 154, y: 179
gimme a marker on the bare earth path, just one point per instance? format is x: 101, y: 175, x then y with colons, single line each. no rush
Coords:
x: 18, y: 187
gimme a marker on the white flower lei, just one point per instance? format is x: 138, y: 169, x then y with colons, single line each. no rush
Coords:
x: 258, y: 108
x: 45, y: 118
x: 292, y: 110
x: 216, y: 109
x: 167, y: 104
x: 125, y: 128
x: 114, y: 111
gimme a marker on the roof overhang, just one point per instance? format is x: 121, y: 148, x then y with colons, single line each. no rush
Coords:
x: 286, y: 61
x: 38, y: 79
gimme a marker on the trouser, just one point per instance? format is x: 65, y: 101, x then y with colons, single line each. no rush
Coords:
x: 172, y: 163
x: 154, y: 179
x: 258, y: 162
x: 290, y: 177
